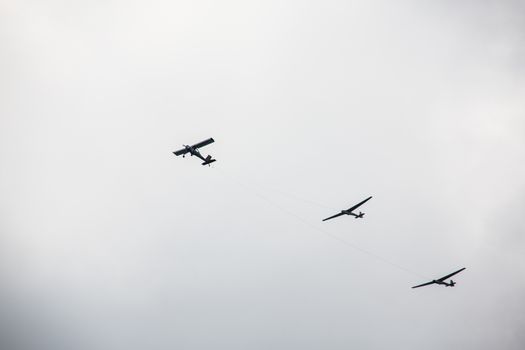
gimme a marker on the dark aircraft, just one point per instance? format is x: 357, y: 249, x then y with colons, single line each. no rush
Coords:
x: 349, y: 211
x: 442, y: 280
x: 194, y: 151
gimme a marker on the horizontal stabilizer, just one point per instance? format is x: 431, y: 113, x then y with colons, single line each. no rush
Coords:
x: 209, y: 160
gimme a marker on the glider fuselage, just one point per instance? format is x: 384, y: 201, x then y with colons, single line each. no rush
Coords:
x: 449, y: 284
x: 349, y: 212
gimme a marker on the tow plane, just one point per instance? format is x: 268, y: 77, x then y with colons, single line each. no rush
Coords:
x: 442, y: 280
x: 194, y: 151
x: 350, y: 211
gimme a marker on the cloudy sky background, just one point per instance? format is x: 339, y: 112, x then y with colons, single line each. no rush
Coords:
x: 108, y: 241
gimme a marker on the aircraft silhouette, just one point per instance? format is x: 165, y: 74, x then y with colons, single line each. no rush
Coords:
x: 349, y: 211
x: 442, y: 280
x: 194, y: 151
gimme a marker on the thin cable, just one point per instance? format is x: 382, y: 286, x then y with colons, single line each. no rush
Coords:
x: 297, y: 198
x: 305, y: 222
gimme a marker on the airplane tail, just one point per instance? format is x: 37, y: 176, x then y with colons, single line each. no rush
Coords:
x: 208, y: 160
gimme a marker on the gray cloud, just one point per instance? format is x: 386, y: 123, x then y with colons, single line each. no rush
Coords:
x: 109, y: 242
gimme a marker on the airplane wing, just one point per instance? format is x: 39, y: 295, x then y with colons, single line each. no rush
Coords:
x: 333, y: 216
x: 359, y: 204
x: 424, y: 284
x: 180, y: 152
x: 452, y: 274
x: 203, y: 143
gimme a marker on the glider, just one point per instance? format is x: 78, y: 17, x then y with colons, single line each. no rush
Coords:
x: 194, y: 151
x: 349, y: 211
x: 442, y: 280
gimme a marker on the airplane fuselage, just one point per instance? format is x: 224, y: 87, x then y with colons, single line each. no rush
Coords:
x: 193, y: 152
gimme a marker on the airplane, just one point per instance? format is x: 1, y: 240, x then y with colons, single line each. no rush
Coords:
x: 349, y: 211
x: 442, y: 280
x: 194, y: 151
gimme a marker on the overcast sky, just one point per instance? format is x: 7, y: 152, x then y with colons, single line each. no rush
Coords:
x: 108, y: 241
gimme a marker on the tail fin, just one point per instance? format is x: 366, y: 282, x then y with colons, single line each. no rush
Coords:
x: 208, y: 160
